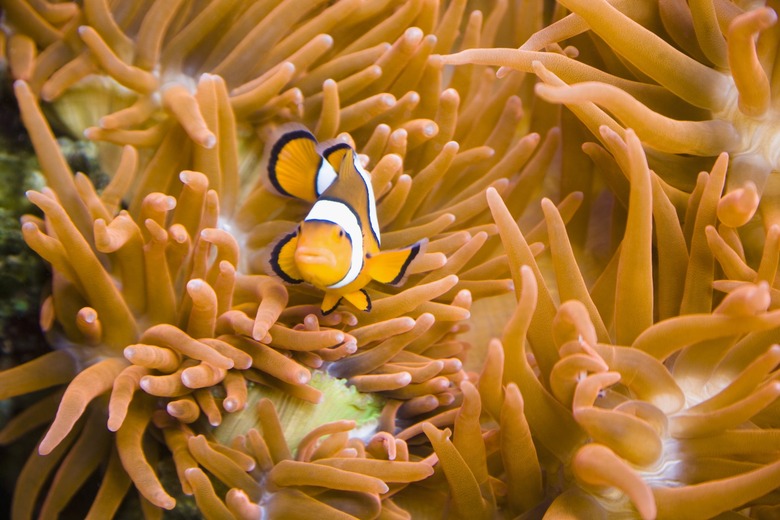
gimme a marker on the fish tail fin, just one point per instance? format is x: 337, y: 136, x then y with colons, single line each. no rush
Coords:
x: 390, y: 267
x: 283, y: 259
x: 359, y: 299
x: 295, y: 166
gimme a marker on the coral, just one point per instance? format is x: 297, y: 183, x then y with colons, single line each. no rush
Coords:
x: 22, y: 274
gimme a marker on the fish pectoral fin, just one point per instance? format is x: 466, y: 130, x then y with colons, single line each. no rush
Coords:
x: 359, y: 299
x: 295, y: 165
x: 283, y: 259
x: 390, y: 266
x: 330, y: 302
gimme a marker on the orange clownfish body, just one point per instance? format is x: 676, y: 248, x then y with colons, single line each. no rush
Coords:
x: 337, y: 246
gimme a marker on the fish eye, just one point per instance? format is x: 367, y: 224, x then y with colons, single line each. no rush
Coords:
x: 341, y: 233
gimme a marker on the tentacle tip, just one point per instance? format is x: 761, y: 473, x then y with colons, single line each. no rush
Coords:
x: 195, y: 284
x: 28, y: 227
x: 303, y: 376
x: 88, y: 314
x: 434, y: 60
x: 164, y: 500
x: 769, y: 16
x: 429, y: 429
x: 230, y: 404
x: 188, y: 380
x: 607, y: 133
x: 543, y: 91
x: 260, y: 333
x: 388, y: 100
x: 46, y: 447
x: 106, y: 123
x: 414, y: 34
x: 48, y: 93
x: 209, y: 141
x: 21, y: 85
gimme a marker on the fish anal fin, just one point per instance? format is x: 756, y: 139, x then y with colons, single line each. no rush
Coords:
x: 390, y: 266
x: 294, y: 164
x: 283, y: 259
x: 330, y: 302
x: 359, y: 299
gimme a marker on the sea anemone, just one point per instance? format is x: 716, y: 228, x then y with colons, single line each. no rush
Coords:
x: 174, y: 323
x: 636, y: 375
x: 691, y: 80
x: 676, y: 418
x: 695, y: 84
x: 163, y: 317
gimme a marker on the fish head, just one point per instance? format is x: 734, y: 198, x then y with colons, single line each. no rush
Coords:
x: 323, y: 253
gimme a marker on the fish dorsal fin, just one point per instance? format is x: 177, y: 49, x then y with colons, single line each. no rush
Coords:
x: 390, y: 266
x: 283, y: 259
x: 359, y: 299
x: 295, y: 167
x: 334, y: 152
x: 350, y: 165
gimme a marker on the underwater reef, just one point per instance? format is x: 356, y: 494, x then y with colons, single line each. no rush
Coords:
x: 590, y: 328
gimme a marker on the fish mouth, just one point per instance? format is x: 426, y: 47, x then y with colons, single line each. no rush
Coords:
x: 315, y: 256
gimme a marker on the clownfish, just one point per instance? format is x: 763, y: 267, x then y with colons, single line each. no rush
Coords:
x: 336, y: 247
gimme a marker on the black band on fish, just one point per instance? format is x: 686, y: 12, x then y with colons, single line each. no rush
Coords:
x: 275, y: 262
x: 342, y: 214
x: 368, y: 300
